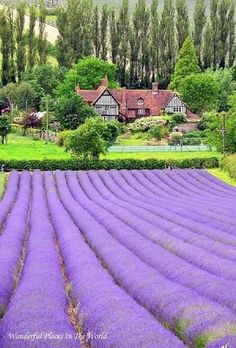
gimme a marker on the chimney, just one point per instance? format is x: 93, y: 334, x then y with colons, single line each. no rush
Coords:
x: 104, y: 82
x: 155, y: 88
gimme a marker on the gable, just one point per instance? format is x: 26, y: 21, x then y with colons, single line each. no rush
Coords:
x: 106, y: 99
x: 175, y: 101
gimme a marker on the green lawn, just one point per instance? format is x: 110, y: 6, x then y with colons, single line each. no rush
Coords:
x: 20, y: 148
x: 132, y: 139
x: 222, y: 175
x: 161, y: 155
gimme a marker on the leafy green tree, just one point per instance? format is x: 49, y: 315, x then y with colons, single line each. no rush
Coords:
x: 54, y: 76
x: 227, y: 87
x: 104, y: 31
x: 114, y: 35
x: 64, y: 53
x: 25, y: 95
x: 199, y: 25
x: 155, y: 40
x: 215, y: 34
x: 71, y: 111
x: 12, y: 44
x: 5, y: 49
x: 96, y: 34
x: 20, y: 44
x: 207, y: 47
x: 200, y: 92
x: 214, y: 122
x: 168, y: 40
x: 42, y: 40
x: 5, y: 128
x: 124, y: 29
x: 231, y: 48
x: 186, y: 64
x: 224, y: 27
x: 182, y: 21
x: 87, y: 142
x: 32, y: 42
x: 88, y: 73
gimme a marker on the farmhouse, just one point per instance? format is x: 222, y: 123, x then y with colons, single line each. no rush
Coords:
x: 128, y: 104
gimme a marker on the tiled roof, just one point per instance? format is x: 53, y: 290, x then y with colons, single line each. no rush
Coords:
x: 129, y: 100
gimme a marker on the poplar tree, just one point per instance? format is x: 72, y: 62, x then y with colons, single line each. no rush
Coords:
x: 64, y: 50
x: 114, y: 35
x: 96, y: 36
x: 104, y: 29
x: 20, y: 44
x: 186, y: 64
x: 12, y: 45
x: 224, y: 25
x: 154, y: 40
x: 182, y: 21
x: 5, y: 49
x: 31, y: 37
x: 199, y: 25
x: 168, y: 40
x: 124, y: 40
x: 42, y: 40
x: 231, y: 48
x: 207, y: 47
x: 215, y: 35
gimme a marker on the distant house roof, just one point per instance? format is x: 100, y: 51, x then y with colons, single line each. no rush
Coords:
x: 131, y: 100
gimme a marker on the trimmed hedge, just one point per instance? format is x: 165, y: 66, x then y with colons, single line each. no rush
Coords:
x: 75, y: 164
x: 229, y: 164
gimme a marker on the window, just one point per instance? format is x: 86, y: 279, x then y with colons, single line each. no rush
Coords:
x: 140, y: 101
x: 177, y: 109
x: 141, y: 111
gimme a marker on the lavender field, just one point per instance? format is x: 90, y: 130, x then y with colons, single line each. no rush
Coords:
x: 123, y: 259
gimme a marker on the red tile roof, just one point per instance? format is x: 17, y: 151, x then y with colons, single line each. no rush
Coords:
x: 128, y: 100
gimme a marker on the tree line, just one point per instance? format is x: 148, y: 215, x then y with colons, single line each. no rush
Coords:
x: 145, y: 43
x: 20, y: 48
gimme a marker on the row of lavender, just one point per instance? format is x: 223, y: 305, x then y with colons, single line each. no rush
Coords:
x: 143, y: 251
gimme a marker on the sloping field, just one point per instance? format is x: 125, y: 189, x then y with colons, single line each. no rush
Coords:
x: 127, y: 259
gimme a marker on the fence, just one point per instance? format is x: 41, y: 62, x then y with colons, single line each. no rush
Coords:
x: 164, y: 148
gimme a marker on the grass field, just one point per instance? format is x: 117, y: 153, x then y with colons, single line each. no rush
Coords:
x: 222, y: 175
x: 133, y: 139
x: 160, y: 155
x: 20, y: 148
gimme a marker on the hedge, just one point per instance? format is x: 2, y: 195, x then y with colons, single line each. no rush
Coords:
x: 75, y: 164
x: 229, y: 164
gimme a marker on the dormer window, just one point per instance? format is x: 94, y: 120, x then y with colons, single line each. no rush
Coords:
x: 140, y: 101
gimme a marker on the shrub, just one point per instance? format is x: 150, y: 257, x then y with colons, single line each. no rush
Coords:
x: 61, y: 137
x: 175, y: 138
x: 229, y: 164
x: 176, y: 119
x: 5, y: 128
x: 144, y: 124
x: 157, y: 132
x: 76, y: 164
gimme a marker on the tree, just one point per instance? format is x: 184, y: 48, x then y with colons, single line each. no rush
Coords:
x: 25, y: 95
x: 20, y: 44
x: 231, y: 48
x: 123, y: 25
x: 42, y: 40
x: 5, y: 128
x: 114, y: 36
x: 71, y: 111
x: 88, y: 140
x: 168, y: 40
x: 207, y: 48
x: 186, y: 64
x: 96, y: 35
x: 64, y: 50
x: 200, y: 92
x: 215, y: 35
x: 155, y: 40
x: 30, y: 120
x: 88, y: 73
x: 31, y: 35
x: 227, y: 87
x: 5, y: 49
x: 104, y: 28
x: 214, y: 122
x: 182, y: 21
x: 55, y: 76
x: 12, y: 44
x: 199, y: 25
x: 224, y: 27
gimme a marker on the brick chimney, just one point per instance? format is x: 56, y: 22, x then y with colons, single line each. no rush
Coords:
x: 104, y: 82
x: 155, y: 88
